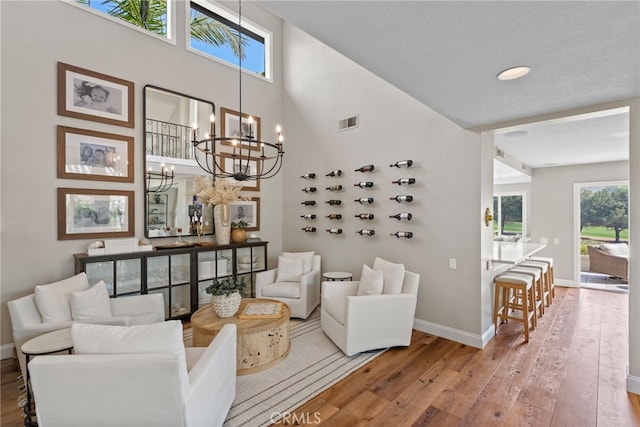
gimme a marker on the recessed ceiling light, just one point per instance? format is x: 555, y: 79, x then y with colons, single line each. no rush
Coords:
x: 513, y: 73
x: 516, y: 133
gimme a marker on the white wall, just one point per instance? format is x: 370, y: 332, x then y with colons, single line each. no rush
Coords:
x: 552, y: 212
x: 57, y: 31
x: 633, y: 380
x: 322, y: 87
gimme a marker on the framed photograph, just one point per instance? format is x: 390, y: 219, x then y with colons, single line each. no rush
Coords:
x: 89, y: 95
x: 91, y: 214
x: 231, y: 164
x: 247, y: 211
x: 233, y: 126
x: 87, y: 154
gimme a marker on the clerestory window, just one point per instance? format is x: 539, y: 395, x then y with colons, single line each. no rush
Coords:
x: 215, y: 32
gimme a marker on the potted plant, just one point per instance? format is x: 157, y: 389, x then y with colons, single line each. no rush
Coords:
x: 238, y: 231
x: 219, y: 195
x: 226, y: 295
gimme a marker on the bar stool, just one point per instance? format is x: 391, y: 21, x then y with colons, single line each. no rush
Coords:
x: 552, y: 279
x: 516, y: 291
x: 544, y: 270
x: 538, y: 286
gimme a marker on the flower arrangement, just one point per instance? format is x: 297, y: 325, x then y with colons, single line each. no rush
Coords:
x: 226, y: 286
x: 222, y: 192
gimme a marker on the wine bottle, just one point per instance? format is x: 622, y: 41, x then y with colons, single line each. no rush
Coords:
x: 309, y: 189
x: 366, y: 232
x: 402, y: 198
x: 308, y: 216
x: 309, y: 176
x: 403, y: 181
x: 334, y: 188
x: 365, y: 168
x: 334, y: 216
x: 401, y: 163
x: 364, y: 200
x: 364, y: 216
x: 309, y: 229
x: 308, y: 203
x: 334, y: 202
x: 402, y: 215
x: 335, y: 230
x: 405, y: 234
x: 336, y: 172
x: 364, y: 184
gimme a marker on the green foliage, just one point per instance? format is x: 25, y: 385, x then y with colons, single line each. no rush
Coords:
x: 226, y: 286
x: 240, y: 224
x: 607, y: 207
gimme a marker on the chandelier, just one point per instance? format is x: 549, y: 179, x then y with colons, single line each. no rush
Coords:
x: 210, y: 156
x: 157, y: 182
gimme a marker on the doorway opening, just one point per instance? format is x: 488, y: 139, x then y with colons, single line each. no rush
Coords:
x: 603, y: 237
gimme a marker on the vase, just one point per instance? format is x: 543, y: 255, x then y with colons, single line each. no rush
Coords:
x: 238, y: 235
x: 226, y: 305
x: 222, y: 221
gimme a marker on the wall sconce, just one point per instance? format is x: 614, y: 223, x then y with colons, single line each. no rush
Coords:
x: 488, y: 218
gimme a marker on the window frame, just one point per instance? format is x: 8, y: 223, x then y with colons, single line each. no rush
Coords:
x: 497, y: 215
x: 232, y: 18
x: 171, y: 20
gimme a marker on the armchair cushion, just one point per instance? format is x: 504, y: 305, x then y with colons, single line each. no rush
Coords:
x: 371, y: 281
x: 307, y: 259
x: 393, y: 275
x: 54, y: 299
x: 616, y: 249
x: 282, y: 290
x: 290, y: 269
x: 91, y: 303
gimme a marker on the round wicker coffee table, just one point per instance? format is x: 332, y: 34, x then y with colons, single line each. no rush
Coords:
x: 261, y: 344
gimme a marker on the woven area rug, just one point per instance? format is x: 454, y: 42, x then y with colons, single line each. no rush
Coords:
x: 314, y: 364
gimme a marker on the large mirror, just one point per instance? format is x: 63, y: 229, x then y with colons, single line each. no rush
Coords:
x: 171, y: 207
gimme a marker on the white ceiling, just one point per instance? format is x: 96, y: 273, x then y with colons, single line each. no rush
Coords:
x: 447, y: 54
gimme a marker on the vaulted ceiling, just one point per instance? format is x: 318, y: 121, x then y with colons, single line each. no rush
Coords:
x: 447, y: 54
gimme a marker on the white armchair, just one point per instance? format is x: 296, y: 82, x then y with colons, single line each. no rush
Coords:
x: 27, y: 321
x: 166, y: 385
x: 357, y: 323
x: 301, y: 293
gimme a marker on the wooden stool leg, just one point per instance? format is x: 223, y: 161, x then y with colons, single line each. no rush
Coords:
x: 525, y: 314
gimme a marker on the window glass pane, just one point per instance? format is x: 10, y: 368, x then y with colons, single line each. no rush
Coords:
x: 511, y: 215
x: 150, y: 15
x: 217, y: 36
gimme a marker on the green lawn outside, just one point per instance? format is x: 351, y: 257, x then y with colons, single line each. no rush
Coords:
x: 603, y: 233
x: 510, y: 227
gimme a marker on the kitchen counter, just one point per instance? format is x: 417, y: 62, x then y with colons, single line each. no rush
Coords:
x: 514, y: 252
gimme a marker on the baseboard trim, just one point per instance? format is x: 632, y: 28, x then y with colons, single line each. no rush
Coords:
x: 567, y: 283
x: 6, y: 351
x: 633, y: 383
x: 463, y: 337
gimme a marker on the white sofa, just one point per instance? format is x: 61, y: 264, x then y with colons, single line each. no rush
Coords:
x: 27, y: 321
x: 357, y: 323
x: 151, y: 380
x: 301, y: 295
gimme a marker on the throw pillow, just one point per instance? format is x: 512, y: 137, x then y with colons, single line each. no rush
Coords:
x: 290, y: 269
x: 371, y: 282
x: 307, y: 259
x: 91, y: 303
x: 54, y: 299
x: 616, y: 249
x: 392, y: 273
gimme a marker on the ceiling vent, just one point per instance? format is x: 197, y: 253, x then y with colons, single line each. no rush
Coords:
x: 348, y: 123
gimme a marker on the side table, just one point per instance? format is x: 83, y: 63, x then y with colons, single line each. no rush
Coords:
x: 49, y: 343
x: 333, y: 276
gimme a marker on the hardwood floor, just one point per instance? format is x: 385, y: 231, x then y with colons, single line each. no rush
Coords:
x: 571, y: 373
